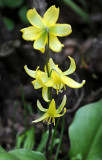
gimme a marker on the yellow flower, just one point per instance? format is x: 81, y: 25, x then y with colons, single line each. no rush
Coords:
x: 40, y: 28
x: 59, y: 78
x: 40, y: 80
x: 51, y: 112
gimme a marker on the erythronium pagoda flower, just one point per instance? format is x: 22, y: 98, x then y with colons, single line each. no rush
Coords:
x: 42, y: 27
x: 60, y: 79
x: 40, y: 79
x: 51, y: 112
x: 57, y: 79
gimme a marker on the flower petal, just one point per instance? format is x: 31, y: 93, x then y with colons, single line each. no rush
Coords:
x: 52, y: 66
x: 60, y: 30
x: 41, y: 42
x: 71, y: 83
x: 72, y: 67
x: 36, y: 84
x: 49, y: 83
x: 51, y: 16
x: 52, y: 108
x: 31, y: 73
x: 31, y: 33
x: 59, y: 115
x: 62, y: 104
x: 45, y: 94
x: 34, y: 18
x: 40, y: 106
x: 41, y: 118
x: 55, y: 44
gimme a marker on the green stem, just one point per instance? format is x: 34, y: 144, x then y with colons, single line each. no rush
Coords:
x: 61, y: 136
x: 50, y: 98
x: 47, y: 57
x: 53, y: 137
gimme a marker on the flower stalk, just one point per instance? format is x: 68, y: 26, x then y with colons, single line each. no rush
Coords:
x: 50, y: 98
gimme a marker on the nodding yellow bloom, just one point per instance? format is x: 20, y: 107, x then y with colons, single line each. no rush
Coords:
x: 60, y: 79
x: 51, y: 113
x: 40, y: 79
x: 57, y: 79
x: 41, y: 27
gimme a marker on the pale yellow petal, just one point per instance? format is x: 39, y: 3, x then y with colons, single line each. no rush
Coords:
x: 30, y: 72
x: 38, y: 77
x: 72, y: 67
x: 56, y: 77
x: 40, y: 106
x: 59, y: 115
x: 36, y: 84
x: 52, y: 108
x: 60, y: 30
x: 34, y: 18
x: 55, y: 44
x: 62, y: 104
x: 40, y: 43
x: 71, y: 83
x: 45, y: 94
x: 41, y: 118
x: 49, y: 83
x: 31, y: 33
x: 51, y: 16
x: 52, y: 66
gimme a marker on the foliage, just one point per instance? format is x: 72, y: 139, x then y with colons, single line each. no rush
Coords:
x: 21, y: 154
x: 8, y: 23
x: 86, y: 133
x: 80, y: 11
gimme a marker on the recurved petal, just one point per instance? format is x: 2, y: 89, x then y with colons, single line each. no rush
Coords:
x: 59, y: 115
x: 30, y: 72
x: 71, y: 83
x: 62, y: 104
x: 40, y: 43
x: 52, y: 66
x: 51, y: 16
x: 31, y: 33
x: 45, y: 94
x: 41, y: 118
x: 40, y: 106
x: 72, y: 67
x: 36, y: 84
x: 60, y: 30
x: 34, y: 18
x: 55, y: 44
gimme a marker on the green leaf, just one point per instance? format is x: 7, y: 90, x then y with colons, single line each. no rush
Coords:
x: 13, y: 3
x: 1, y: 149
x: 7, y: 156
x: 8, y: 23
x: 43, y: 141
x: 22, y: 14
x: 29, y: 141
x: 25, y: 154
x: 80, y: 11
x: 20, y: 140
x: 86, y: 132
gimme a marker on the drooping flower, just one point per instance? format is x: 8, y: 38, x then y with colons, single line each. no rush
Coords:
x: 59, y: 79
x: 51, y: 113
x: 40, y: 79
x: 41, y: 27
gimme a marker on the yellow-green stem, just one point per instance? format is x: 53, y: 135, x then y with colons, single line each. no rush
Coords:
x: 50, y: 98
